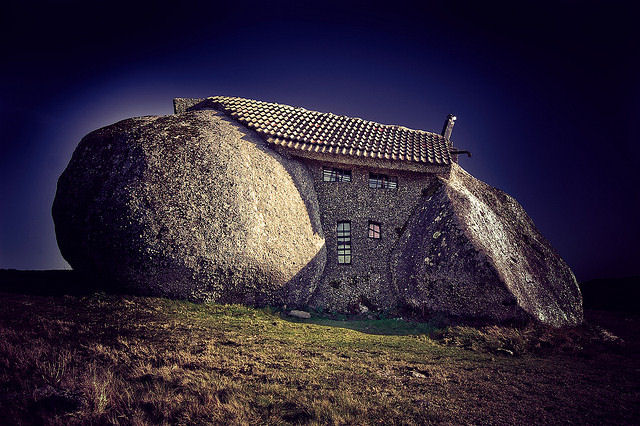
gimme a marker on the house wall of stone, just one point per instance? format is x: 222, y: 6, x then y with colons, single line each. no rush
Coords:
x: 367, y: 280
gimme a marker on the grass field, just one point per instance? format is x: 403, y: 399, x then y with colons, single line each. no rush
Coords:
x: 131, y: 360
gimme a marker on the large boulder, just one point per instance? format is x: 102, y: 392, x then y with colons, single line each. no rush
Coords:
x: 471, y: 251
x: 191, y: 206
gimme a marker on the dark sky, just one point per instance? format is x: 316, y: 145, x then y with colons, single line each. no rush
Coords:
x: 547, y: 96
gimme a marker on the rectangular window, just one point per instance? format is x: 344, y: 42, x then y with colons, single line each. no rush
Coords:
x: 374, y: 230
x: 335, y: 175
x: 343, y: 231
x: 379, y: 181
x: 375, y: 181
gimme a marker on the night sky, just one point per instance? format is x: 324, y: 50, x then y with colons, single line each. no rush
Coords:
x: 547, y: 96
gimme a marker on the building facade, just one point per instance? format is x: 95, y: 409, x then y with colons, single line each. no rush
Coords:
x: 368, y: 179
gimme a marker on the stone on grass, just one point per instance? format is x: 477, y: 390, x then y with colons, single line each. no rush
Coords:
x: 299, y: 314
x: 471, y: 251
x: 191, y: 206
x: 418, y: 375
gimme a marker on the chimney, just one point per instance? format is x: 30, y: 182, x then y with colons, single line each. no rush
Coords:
x: 448, y: 127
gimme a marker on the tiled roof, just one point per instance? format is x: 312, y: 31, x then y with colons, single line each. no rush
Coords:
x: 322, y: 132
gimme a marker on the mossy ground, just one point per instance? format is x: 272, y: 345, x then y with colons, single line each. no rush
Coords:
x: 132, y: 360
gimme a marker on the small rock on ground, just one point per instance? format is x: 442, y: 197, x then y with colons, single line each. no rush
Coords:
x: 300, y: 314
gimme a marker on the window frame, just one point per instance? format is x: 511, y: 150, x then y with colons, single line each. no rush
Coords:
x: 372, y: 232
x: 343, y: 242
x: 382, y: 181
x: 335, y: 174
x: 391, y: 182
x: 375, y: 181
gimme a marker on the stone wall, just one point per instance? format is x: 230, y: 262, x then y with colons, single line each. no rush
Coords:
x: 366, y: 281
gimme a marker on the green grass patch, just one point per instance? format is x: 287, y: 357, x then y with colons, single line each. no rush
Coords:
x: 386, y: 326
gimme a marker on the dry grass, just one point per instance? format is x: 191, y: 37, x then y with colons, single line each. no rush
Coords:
x: 129, y: 360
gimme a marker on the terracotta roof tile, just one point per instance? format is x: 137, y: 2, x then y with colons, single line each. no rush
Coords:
x: 301, y: 129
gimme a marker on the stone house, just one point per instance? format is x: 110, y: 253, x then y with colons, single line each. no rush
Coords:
x: 233, y: 200
x: 369, y: 178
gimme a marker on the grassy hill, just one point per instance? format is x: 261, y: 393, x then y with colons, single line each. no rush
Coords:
x: 96, y: 358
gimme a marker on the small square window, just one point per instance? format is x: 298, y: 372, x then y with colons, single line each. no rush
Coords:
x: 375, y: 180
x: 392, y: 182
x: 344, y: 175
x: 374, y: 230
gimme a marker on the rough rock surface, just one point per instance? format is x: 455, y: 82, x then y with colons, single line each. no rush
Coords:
x: 470, y: 250
x: 192, y: 206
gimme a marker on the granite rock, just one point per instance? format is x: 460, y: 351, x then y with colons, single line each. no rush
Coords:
x: 191, y: 206
x: 471, y: 251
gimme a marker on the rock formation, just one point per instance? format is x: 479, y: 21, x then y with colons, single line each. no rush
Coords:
x: 191, y: 206
x: 471, y: 251
x: 196, y: 206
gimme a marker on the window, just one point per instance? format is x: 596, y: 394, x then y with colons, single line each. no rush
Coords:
x: 336, y: 175
x: 382, y: 181
x: 374, y: 230
x: 375, y: 181
x: 391, y: 182
x: 343, y: 231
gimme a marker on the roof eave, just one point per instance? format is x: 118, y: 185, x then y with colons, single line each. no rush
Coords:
x: 378, y: 163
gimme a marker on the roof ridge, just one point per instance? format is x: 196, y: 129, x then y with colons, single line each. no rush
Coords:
x: 328, y: 113
x: 300, y: 129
